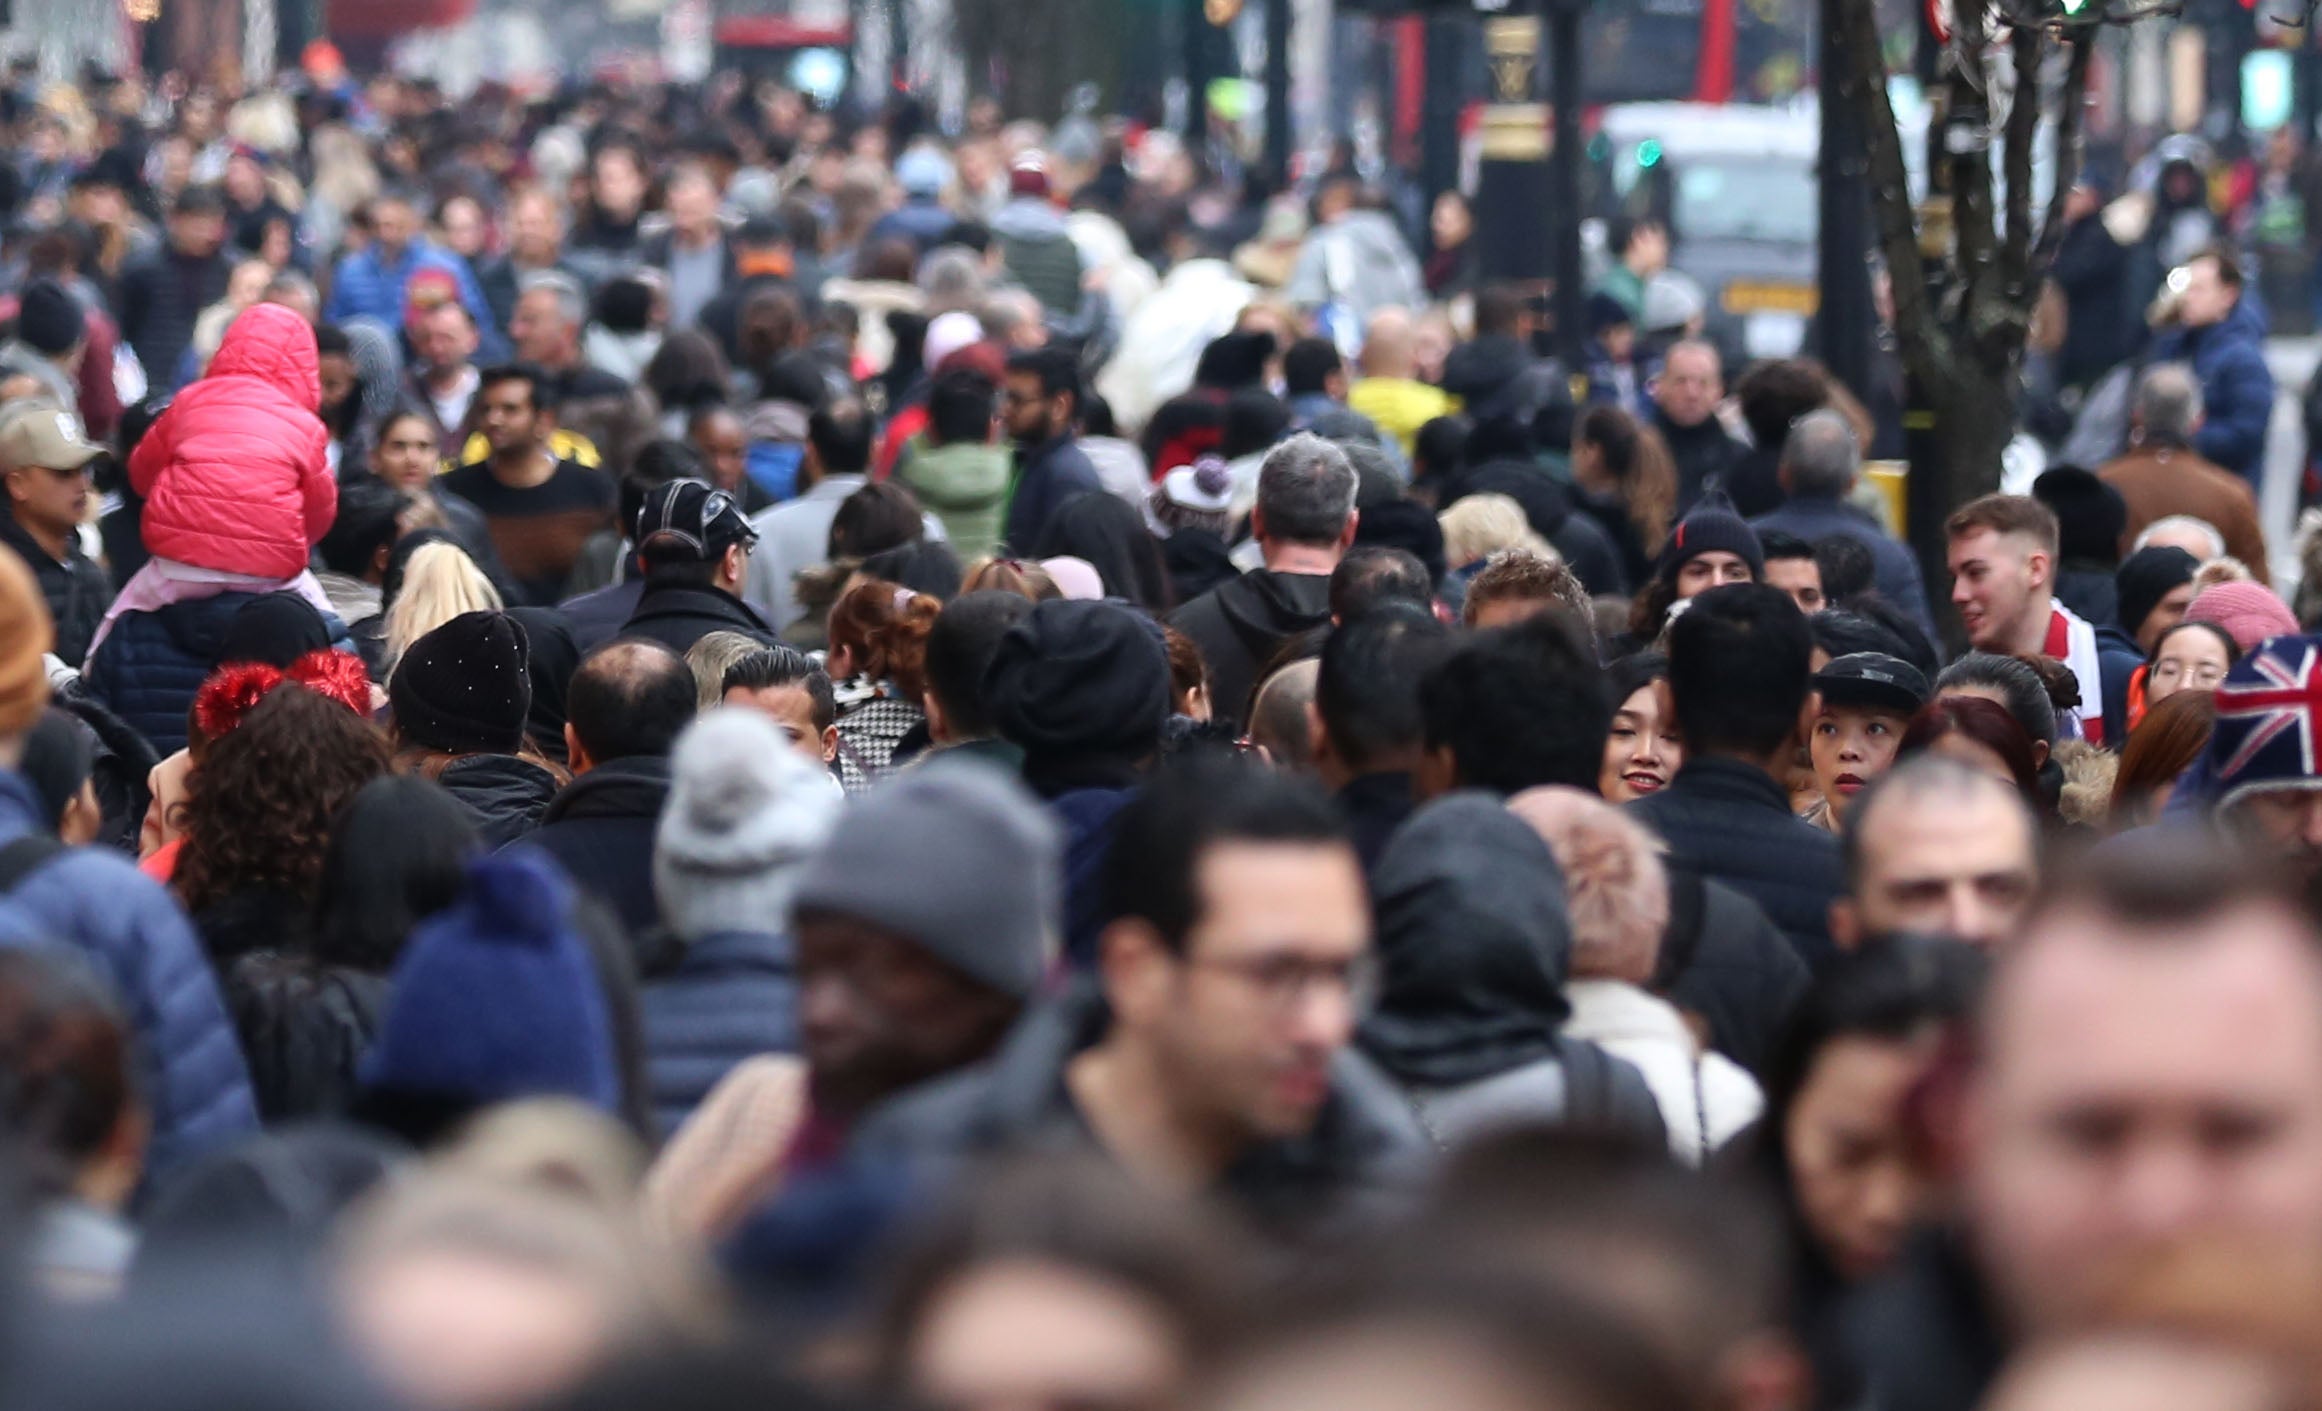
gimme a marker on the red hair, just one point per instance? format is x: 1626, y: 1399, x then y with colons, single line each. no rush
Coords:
x: 233, y: 691
x: 1988, y: 724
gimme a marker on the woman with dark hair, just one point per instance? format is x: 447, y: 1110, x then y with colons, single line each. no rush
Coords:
x: 263, y: 798
x: 1642, y: 750
x: 398, y: 854
x: 2009, y: 684
x: 925, y: 567
x: 1836, y: 1140
x: 2160, y: 749
x: 2191, y: 656
x: 878, y: 658
x: 1438, y: 457
x: 69, y: 1102
x: 1625, y: 480
x: 686, y: 374
x: 973, y: 1315
x: 1982, y: 736
x: 1109, y: 535
x: 881, y: 515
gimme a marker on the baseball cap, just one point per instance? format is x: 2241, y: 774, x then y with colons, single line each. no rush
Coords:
x: 1873, y: 679
x: 44, y: 434
x: 695, y: 515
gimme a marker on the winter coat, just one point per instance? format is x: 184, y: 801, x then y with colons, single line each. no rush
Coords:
x: 234, y: 475
x: 1705, y: 454
x: 1047, y: 477
x: 597, y: 618
x: 1473, y: 948
x: 2156, y: 481
x: 1723, y: 960
x: 2237, y: 389
x: 677, y: 615
x: 1374, y: 806
x: 2100, y: 326
x: 1548, y: 507
x: 161, y: 298
x: 1894, y: 568
x: 1243, y: 623
x: 1360, y: 261
x: 1732, y: 823
x: 150, y: 666
x: 304, y: 1027
x: 75, y: 587
x: 1039, y: 254
x: 505, y: 796
x: 1087, y: 817
x: 964, y: 484
x: 601, y: 827
x: 732, y: 995
x: 189, y: 1067
x: 1926, y: 1335
x: 364, y: 287
x: 1363, y: 1159
x: 1197, y: 562
x: 1497, y: 378
x: 1705, y: 1098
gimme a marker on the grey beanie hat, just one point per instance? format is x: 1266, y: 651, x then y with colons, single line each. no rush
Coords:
x: 745, y: 813
x: 958, y: 858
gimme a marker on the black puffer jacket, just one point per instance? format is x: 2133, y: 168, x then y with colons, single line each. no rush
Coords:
x: 1730, y: 822
x: 1723, y: 960
x: 677, y: 615
x: 504, y: 795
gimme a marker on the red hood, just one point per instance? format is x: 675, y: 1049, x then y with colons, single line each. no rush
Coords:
x: 277, y: 347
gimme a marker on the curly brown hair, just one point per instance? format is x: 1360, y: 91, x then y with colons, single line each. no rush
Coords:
x: 264, y: 797
x: 885, y: 626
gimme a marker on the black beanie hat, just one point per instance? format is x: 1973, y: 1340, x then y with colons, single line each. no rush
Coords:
x: 1080, y: 679
x: 2090, y: 515
x: 275, y: 629
x: 1711, y: 530
x: 2147, y: 576
x: 49, y: 320
x: 466, y: 687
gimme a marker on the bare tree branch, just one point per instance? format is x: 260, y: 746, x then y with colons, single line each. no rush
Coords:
x: 1924, y: 346
x: 2026, y: 45
x: 1975, y: 220
x: 2071, y: 123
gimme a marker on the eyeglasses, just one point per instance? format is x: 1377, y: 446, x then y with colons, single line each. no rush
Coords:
x: 1282, y: 981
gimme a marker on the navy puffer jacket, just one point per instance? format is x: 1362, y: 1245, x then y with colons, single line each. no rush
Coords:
x: 124, y: 923
x: 151, y: 664
x: 732, y: 995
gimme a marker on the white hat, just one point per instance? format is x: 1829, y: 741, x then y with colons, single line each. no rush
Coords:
x: 947, y: 335
x: 746, y: 810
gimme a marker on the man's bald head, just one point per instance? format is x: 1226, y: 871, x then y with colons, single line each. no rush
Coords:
x: 1390, y: 345
x: 629, y: 700
x: 1278, y: 719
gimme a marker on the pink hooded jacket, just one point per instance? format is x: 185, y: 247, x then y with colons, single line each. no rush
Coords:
x: 235, y: 475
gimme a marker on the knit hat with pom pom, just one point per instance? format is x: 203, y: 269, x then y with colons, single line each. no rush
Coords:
x: 746, y: 810
x: 497, y: 999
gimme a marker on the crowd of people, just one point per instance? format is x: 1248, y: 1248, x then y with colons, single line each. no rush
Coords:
x: 663, y: 752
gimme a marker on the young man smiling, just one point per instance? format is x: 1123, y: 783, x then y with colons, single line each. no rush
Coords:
x: 2003, y: 581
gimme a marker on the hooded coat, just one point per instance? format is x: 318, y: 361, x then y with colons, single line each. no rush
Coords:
x: 2237, y: 388
x: 235, y: 475
x: 505, y: 796
x: 1242, y: 623
x: 1474, y: 946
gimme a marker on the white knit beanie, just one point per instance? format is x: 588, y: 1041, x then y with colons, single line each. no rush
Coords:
x: 745, y: 810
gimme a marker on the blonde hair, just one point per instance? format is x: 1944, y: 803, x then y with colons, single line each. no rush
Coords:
x: 710, y: 657
x: 439, y: 584
x: 1481, y: 525
x: 1615, y: 888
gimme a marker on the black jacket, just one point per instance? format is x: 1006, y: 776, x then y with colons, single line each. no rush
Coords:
x: 601, y: 828
x: 1364, y: 1155
x: 597, y: 618
x: 1755, y: 482
x: 731, y: 995
x: 1548, y: 506
x: 1197, y: 561
x: 1705, y: 456
x: 1496, y: 377
x: 1732, y: 823
x: 304, y: 1028
x: 1242, y: 624
x: 76, y: 588
x: 1723, y: 960
x: 504, y: 796
x: 677, y: 615
x: 1048, y: 477
x: 2102, y: 325
x: 1925, y: 1336
x: 160, y: 300
x: 1374, y: 806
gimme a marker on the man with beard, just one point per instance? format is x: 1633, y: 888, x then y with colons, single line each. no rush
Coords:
x: 1041, y: 404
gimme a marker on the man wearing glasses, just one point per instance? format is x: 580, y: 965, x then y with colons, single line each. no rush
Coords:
x: 695, y: 543
x: 1209, y: 1051
x: 46, y: 461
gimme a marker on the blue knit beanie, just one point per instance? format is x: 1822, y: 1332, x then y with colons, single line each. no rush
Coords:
x: 497, y: 999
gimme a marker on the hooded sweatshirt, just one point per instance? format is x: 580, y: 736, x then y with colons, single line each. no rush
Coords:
x: 1474, y: 946
x: 965, y: 485
x: 235, y: 474
x: 1241, y: 624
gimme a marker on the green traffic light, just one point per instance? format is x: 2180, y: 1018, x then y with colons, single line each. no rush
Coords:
x: 1649, y: 151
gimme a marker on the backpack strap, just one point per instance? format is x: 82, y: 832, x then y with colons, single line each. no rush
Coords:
x: 21, y: 858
